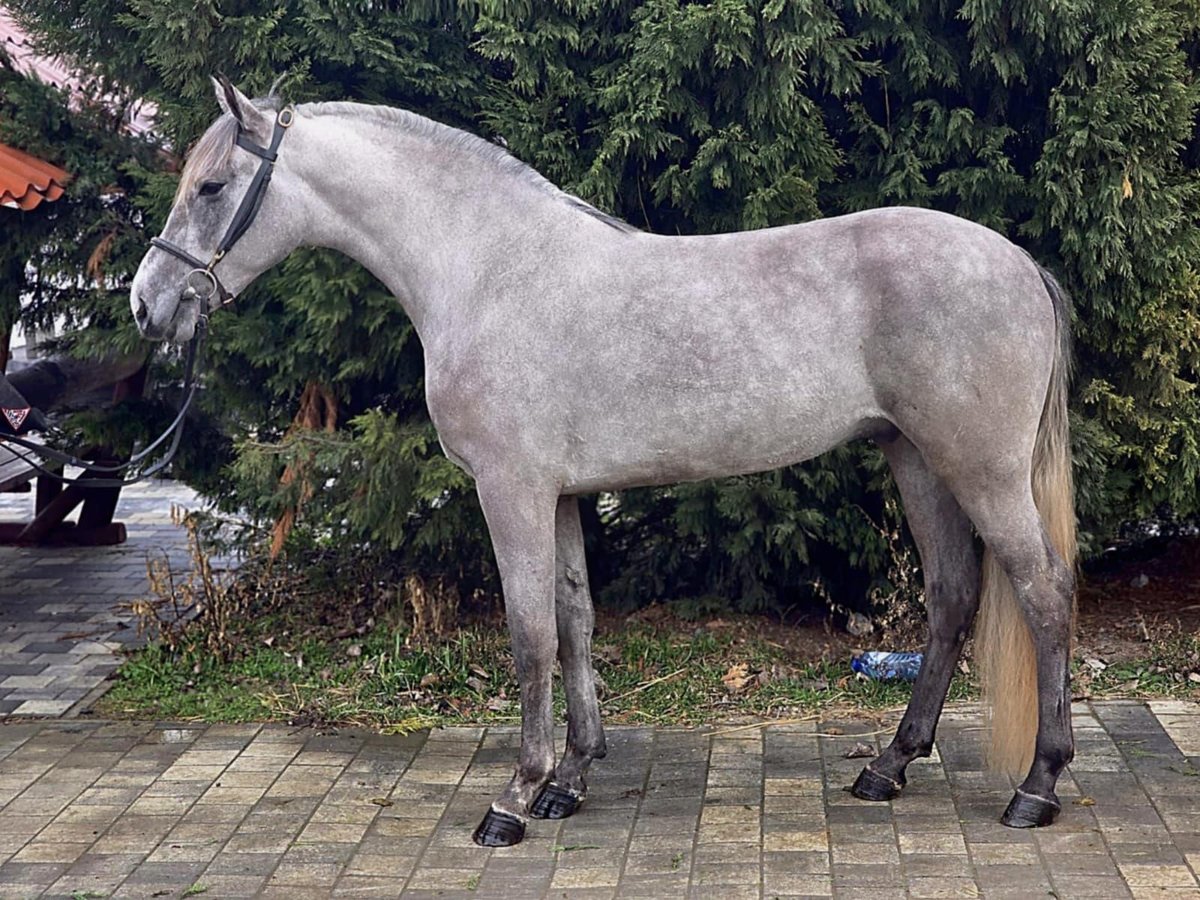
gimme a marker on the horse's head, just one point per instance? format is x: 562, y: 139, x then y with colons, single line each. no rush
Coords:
x: 226, y: 226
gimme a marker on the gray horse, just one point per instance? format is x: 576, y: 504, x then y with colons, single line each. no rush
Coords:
x: 567, y: 352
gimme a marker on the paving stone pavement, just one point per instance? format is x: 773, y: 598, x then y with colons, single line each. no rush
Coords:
x: 61, y: 621
x: 139, y: 810
x: 142, y: 810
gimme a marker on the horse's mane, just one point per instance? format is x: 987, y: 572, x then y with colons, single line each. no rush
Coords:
x: 211, y: 152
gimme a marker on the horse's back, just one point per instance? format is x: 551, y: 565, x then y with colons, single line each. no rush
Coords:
x: 656, y: 359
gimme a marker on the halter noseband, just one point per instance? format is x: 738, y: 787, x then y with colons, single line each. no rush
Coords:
x: 202, y: 281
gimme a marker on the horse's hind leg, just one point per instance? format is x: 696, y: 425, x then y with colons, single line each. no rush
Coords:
x: 1044, y: 585
x: 573, y: 608
x: 951, y: 567
x: 520, y: 518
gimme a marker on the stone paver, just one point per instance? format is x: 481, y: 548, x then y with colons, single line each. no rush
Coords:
x: 129, y: 810
x: 62, y: 621
x: 133, y: 810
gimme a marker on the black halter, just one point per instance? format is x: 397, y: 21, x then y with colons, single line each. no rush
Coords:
x: 202, y: 283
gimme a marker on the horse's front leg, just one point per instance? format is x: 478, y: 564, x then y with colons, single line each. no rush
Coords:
x: 521, y: 522
x: 575, y: 616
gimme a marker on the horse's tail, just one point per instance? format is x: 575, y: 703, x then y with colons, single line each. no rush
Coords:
x: 1004, y: 651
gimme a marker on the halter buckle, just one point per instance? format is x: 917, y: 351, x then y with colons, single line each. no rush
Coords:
x: 285, y: 117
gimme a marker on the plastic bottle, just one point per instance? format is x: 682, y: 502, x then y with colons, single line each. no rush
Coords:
x: 880, y: 666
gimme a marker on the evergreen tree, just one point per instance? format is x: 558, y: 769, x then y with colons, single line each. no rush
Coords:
x: 1068, y: 125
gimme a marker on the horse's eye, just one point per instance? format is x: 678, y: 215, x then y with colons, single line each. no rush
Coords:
x: 209, y: 188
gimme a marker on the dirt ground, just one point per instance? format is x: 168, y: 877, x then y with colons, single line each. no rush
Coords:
x: 1145, y: 597
x: 1124, y: 605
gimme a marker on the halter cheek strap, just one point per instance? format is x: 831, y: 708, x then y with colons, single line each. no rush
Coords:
x: 202, y: 281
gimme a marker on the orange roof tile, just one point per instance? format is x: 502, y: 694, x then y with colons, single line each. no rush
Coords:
x: 25, y: 181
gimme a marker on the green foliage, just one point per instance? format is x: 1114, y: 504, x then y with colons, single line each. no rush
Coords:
x: 383, y: 485
x: 1069, y: 125
x: 47, y: 250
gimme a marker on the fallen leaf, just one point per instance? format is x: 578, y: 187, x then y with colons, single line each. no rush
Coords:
x: 607, y: 653
x: 428, y: 679
x: 381, y: 801
x: 737, y: 678
x: 476, y: 684
x: 1085, y: 801
x: 834, y: 730
x: 859, y: 751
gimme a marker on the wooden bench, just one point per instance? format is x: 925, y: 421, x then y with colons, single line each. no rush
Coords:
x: 15, y: 473
x: 53, y: 502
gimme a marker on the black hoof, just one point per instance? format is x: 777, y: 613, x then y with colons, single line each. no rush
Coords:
x: 555, y: 802
x: 1028, y: 811
x: 870, y: 785
x: 499, y: 829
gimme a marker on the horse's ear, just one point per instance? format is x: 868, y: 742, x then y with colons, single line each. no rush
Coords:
x: 229, y: 98
x: 238, y: 105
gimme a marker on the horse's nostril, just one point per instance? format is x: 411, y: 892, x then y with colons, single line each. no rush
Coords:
x: 142, y: 313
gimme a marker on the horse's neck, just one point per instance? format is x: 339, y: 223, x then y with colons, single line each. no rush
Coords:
x: 432, y: 221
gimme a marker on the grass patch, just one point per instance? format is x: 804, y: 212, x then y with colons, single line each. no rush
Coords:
x: 325, y: 648
x: 1165, y: 668
x: 660, y: 673
x: 651, y: 673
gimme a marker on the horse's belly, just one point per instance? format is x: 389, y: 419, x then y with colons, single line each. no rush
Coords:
x: 709, y: 440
